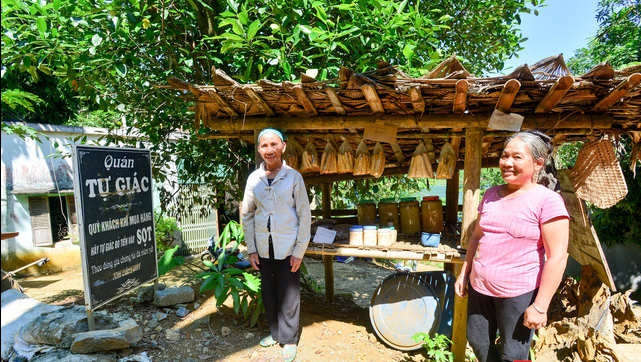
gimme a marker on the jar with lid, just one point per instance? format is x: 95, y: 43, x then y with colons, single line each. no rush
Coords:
x: 366, y: 212
x: 388, y: 213
x: 394, y: 234
x: 410, y: 216
x: 356, y: 236
x: 369, y: 235
x: 432, y: 215
x: 384, y: 237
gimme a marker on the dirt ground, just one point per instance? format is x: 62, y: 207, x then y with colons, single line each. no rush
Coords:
x: 339, y: 331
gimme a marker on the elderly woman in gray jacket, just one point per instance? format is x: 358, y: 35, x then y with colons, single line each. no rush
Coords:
x: 276, y: 220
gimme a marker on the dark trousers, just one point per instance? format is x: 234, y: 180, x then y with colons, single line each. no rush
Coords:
x: 280, y: 290
x: 486, y: 315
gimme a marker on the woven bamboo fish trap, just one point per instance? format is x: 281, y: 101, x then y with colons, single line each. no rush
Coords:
x: 597, y: 175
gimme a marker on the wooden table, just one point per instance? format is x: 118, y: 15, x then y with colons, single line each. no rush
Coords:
x: 406, y: 248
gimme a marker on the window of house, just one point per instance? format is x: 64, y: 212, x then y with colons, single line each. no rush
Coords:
x: 52, y: 218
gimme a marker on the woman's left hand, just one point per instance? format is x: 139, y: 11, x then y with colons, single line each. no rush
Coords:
x: 295, y: 263
x: 533, y: 319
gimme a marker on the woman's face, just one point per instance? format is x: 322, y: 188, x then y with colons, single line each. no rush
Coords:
x: 517, y: 164
x: 271, y: 149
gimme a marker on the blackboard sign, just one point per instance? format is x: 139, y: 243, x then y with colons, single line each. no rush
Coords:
x: 113, y: 190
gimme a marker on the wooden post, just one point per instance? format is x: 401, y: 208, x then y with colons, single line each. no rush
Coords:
x: 328, y: 260
x: 257, y: 157
x: 451, y: 200
x: 471, y: 182
x: 471, y: 192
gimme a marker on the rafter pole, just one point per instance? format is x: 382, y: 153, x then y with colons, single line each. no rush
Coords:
x: 460, y: 98
x: 510, y: 89
x: 372, y: 98
x: 618, y: 92
x: 336, y: 102
x: 417, y: 100
x: 259, y: 101
x: 221, y: 102
x: 555, y: 94
x: 305, y: 101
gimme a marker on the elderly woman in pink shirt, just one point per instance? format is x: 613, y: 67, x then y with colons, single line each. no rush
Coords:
x: 517, y: 254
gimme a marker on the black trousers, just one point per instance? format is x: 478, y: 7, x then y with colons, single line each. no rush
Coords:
x: 486, y: 315
x: 280, y: 290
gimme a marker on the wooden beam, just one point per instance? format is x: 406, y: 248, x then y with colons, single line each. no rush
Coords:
x: 305, y: 101
x: 417, y: 100
x: 471, y: 193
x: 410, y: 121
x: 369, y: 91
x: 459, y: 321
x: 472, y: 181
x: 398, y: 152
x: 510, y: 89
x: 555, y: 94
x: 336, y: 102
x: 328, y: 260
x: 460, y: 97
x: 455, y: 140
x: 222, y: 103
x: 259, y: 101
x: 617, y: 93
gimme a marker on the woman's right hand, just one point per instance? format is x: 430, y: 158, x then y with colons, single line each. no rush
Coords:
x: 254, y: 261
x: 460, y: 287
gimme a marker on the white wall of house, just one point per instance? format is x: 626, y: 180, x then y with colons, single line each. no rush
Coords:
x: 31, y: 169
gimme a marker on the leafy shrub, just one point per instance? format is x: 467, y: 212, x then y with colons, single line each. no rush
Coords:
x: 438, y: 348
x: 168, y: 261
x: 243, y: 287
x: 166, y: 226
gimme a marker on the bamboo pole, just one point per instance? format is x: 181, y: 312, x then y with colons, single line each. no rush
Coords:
x: 411, y: 121
x: 471, y: 192
x: 328, y: 260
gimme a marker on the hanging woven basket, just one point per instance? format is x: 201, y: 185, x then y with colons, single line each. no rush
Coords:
x: 597, y: 175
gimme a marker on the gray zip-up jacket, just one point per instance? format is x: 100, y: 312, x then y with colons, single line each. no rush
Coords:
x: 285, y: 204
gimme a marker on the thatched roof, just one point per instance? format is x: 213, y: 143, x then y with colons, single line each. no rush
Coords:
x: 436, y: 107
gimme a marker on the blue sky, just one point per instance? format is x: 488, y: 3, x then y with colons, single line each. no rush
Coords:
x: 561, y: 27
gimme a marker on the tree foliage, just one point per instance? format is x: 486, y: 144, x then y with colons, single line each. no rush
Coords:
x: 114, y: 52
x: 618, y: 39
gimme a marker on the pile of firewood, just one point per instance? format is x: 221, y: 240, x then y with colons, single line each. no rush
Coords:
x: 585, y: 322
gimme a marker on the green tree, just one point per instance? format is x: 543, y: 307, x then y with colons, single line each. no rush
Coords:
x: 113, y: 52
x: 618, y: 40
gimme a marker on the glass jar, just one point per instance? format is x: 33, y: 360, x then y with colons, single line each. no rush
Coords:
x: 432, y: 215
x: 410, y: 216
x: 388, y: 213
x: 394, y: 234
x: 356, y: 236
x: 366, y: 212
x: 369, y: 235
x: 384, y: 237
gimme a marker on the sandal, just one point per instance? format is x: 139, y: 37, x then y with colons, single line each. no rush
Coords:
x: 289, y: 352
x: 268, y: 341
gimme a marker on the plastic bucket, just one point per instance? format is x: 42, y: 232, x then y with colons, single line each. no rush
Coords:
x: 431, y: 240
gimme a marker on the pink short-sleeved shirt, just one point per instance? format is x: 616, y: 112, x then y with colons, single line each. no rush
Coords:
x: 510, y: 255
